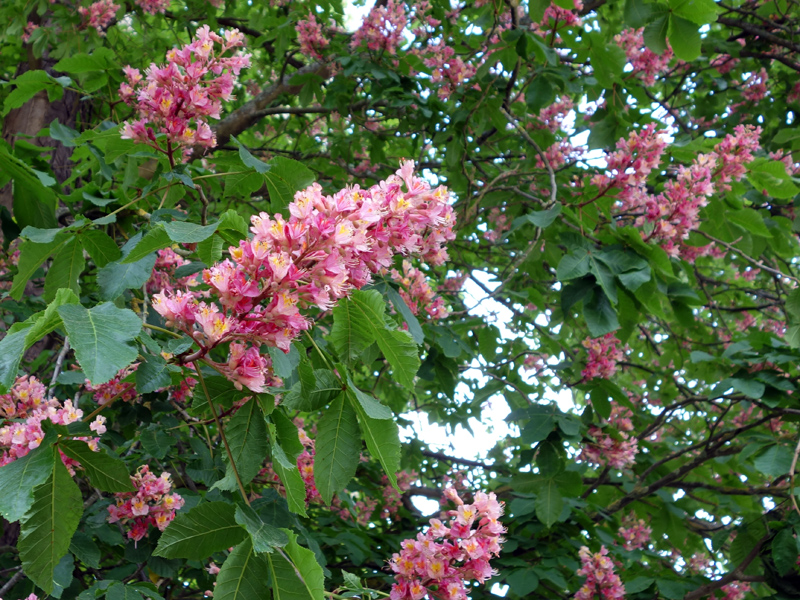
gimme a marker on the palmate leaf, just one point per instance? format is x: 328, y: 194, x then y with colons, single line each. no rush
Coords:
x: 196, y: 535
x: 359, y: 321
x: 243, y: 575
x: 247, y: 438
x: 294, y: 573
x: 101, y: 337
x: 337, y: 448
x: 48, y: 526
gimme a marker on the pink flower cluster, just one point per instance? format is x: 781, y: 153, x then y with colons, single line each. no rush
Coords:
x: 329, y: 246
x: 601, y: 580
x: 22, y: 412
x: 310, y: 36
x: 630, y: 165
x: 675, y: 212
x: 30, y: 27
x: 99, y: 14
x: 153, y: 6
x: 393, y: 499
x: 497, y: 225
x: 189, y: 89
x: 115, y: 387
x: 755, y: 88
x: 699, y: 562
x: 556, y: 17
x: 647, y: 65
x: 553, y: 115
x: 150, y: 504
x: 604, y: 354
x: 439, y: 563
x: 735, y: 590
x: 163, y: 276
x: 383, y: 28
x: 617, y: 451
x: 634, y: 532
x: 417, y: 292
x: 449, y: 70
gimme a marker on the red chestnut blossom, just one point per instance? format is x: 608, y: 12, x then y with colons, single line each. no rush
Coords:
x: 310, y: 37
x: 606, y: 450
x: 601, y: 580
x: 735, y: 590
x: 153, y: 6
x: 438, y: 563
x: 188, y: 90
x: 498, y: 225
x: 22, y: 412
x: 647, y: 65
x: 115, y: 388
x: 448, y: 69
x: 603, y: 357
x: 417, y: 292
x: 383, y: 28
x: 634, y: 532
x: 150, y: 504
x: 100, y: 14
x: 163, y: 277
x: 30, y: 27
x: 755, y: 88
x: 329, y: 246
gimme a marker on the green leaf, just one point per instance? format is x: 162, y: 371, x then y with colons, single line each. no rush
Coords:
x: 290, y: 477
x: 360, y: 321
x: 68, y: 264
x: 684, y: 37
x: 700, y: 12
x: 48, y: 526
x: 242, y: 184
x: 155, y: 239
x: 538, y: 428
x: 152, y: 374
x: 197, y: 534
x: 771, y: 176
x: 573, y: 265
x: 371, y: 405
x: 243, y: 575
x: 337, y: 448
x: 26, y: 87
x: 287, y: 434
x: 102, y: 338
x: 106, y: 472
x: 119, y: 591
x: 749, y: 387
x: 601, y: 318
x: 100, y: 59
x: 655, y: 34
x: 295, y: 573
x: 548, y: 503
x: 638, y: 584
x: 220, y: 390
x: 100, y: 247
x: 401, y: 307
x: 12, y: 347
x: 784, y: 551
x: 793, y: 303
x: 31, y: 256
x: 247, y: 438
x: 382, y: 438
x: 116, y: 277
x: 751, y: 220
x: 85, y: 550
x: 19, y: 478
x: 607, y: 61
x: 285, y: 177
x: 183, y: 232
x: 638, y: 13
x: 248, y: 159
x: 775, y: 461
x: 264, y: 536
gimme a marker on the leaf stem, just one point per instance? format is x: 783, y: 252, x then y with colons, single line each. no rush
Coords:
x: 322, y: 354
x: 162, y: 330
x: 222, y: 434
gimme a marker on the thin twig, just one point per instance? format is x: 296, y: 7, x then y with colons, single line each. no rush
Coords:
x: 57, y: 370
